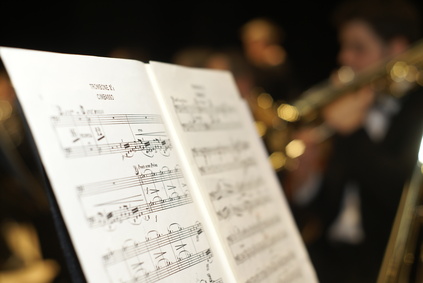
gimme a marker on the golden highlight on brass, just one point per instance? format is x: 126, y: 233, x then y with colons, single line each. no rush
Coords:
x: 261, y: 128
x: 264, y: 100
x: 295, y: 148
x: 278, y: 160
x: 346, y: 74
x: 399, y: 71
x: 288, y: 113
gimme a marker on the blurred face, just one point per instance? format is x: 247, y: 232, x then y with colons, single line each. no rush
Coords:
x: 360, y: 47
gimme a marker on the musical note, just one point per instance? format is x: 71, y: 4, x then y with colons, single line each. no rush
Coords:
x: 225, y: 188
x: 252, y: 230
x: 127, y: 149
x: 146, y: 178
x: 203, y: 115
x: 245, y: 207
x: 134, y: 213
x: 274, y: 267
x: 151, y: 243
x: 222, y: 158
x: 110, y: 202
x: 258, y: 247
x: 70, y: 119
x: 169, y: 253
x: 89, y: 133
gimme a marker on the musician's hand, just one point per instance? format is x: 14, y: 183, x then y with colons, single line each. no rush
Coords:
x: 347, y: 113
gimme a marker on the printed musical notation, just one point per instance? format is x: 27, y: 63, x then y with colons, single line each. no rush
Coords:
x: 225, y: 188
x: 252, y: 230
x: 287, y: 274
x: 159, y: 255
x: 85, y: 133
x: 237, y: 198
x: 222, y: 158
x: 134, y: 198
x: 258, y: 247
x: 238, y: 202
x: 239, y: 209
x: 203, y: 115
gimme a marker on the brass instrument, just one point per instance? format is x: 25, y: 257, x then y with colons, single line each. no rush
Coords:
x: 403, y: 260
x: 276, y: 119
x: 394, y: 76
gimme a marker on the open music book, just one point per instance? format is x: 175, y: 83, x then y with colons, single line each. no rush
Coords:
x: 158, y: 171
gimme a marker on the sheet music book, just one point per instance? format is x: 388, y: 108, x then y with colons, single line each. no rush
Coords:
x: 157, y: 170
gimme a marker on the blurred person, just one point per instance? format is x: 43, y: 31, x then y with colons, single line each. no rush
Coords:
x: 352, y: 205
x: 262, y: 43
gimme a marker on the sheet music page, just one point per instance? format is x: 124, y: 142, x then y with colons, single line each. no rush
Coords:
x: 215, y: 133
x: 113, y: 169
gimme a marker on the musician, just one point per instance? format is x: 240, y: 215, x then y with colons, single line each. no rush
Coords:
x: 263, y: 46
x: 373, y: 150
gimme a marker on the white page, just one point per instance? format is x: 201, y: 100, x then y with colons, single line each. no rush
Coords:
x: 216, y: 135
x: 113, y: 170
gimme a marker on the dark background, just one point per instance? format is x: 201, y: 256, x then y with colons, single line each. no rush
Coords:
x: 162, y: 28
